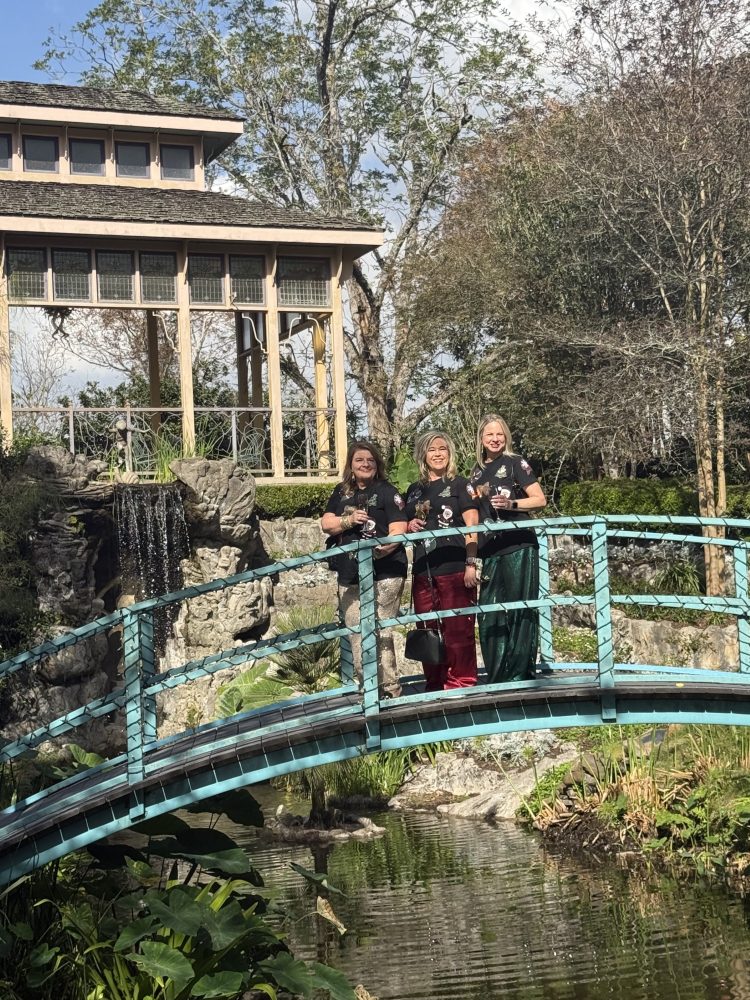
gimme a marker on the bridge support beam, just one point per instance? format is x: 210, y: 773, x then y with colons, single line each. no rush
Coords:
x: 140, y: 711
x: 603, y: 611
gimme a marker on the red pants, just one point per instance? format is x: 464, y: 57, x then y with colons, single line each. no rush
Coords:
x: 460, y: 667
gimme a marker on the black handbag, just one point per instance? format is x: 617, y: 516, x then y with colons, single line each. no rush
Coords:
x: 332, y: 562
x: 425, y: 645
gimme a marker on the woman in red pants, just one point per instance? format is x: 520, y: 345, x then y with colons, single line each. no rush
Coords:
x: 444, y: 572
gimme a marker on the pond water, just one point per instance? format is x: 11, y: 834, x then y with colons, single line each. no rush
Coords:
x: 444, y: 908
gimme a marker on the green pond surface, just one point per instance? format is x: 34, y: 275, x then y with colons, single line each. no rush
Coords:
x: 445, y: 908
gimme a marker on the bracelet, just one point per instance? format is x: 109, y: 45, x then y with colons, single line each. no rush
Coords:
x: 346, y: 522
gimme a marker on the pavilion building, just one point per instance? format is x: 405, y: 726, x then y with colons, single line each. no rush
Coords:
x: 103, y: 205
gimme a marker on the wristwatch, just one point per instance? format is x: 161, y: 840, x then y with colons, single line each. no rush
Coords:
x: 471, y: 561
x: 514, y: 505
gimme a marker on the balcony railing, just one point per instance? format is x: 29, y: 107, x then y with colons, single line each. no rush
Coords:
x: 144, y: 440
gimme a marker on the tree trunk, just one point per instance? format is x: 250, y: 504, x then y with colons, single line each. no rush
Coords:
x: 707, y: 507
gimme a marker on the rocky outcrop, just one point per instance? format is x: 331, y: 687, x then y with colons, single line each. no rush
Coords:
x: 225, y: 539
x: 310, y: 585
x: 489, y: 780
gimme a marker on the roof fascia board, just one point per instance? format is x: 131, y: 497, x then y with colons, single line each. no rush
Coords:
x: 120, y: 119
x: 360, y: 238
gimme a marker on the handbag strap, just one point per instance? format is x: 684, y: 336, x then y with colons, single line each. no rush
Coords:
x: 439, y: 621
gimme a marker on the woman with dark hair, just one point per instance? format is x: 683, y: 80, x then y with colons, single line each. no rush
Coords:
x: 366, y: 505
x: 444, y: 570
x: 506, y: 488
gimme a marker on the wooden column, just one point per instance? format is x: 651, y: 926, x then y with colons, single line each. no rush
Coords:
x: 154, y: 388
x: 256, y: 384
x: 321, y: 394
x: 185, y: 348
x: 6, y: 390
x: 337, y: 349
x: 242, y: 392
x: 274, y: 368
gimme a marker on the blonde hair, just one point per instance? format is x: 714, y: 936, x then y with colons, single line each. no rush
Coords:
x: 421, y: 445
x: 493, y: 418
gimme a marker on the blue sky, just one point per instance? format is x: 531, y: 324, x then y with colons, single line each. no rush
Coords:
x: 25, y: 25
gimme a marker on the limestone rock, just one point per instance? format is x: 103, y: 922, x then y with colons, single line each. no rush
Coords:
x: 63, y: 472
x: 219, y: 499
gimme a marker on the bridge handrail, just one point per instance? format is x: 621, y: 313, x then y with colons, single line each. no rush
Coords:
x: 549, y: 526
x: 143, y: 683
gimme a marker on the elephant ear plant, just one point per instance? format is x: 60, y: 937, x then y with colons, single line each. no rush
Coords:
x: 182, y: 916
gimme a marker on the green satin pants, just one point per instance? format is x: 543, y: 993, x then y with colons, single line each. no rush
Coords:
x: 509, y: 638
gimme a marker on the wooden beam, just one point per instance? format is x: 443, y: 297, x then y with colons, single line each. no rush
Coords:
x: 321, y: 395
x: 274, y: 368
x: 185, y: 348
x: 6, y: 386
x: 337, y: 349
x: 154, y: 387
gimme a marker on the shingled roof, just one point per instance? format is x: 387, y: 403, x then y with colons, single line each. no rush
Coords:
x: 55, y: 95
x: 35, y: 199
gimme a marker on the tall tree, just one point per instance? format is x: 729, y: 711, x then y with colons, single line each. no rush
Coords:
x: 352, y: 106
x: 632, y: 188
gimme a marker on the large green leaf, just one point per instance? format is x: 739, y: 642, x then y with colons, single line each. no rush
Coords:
x: 227, y: 925
x: 135, y: 931
x: 220, y: 984
x: 162, y: 962
x: 83, y: 758
x: 23, y: 931
x: 239, y: 806
x: 290, y: 973
x: 179, y: 912
x: 332, y: 980
x: 316, y: 879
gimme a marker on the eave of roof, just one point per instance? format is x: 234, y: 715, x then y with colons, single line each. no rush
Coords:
x: 54, y: 95
x: 36, y: 207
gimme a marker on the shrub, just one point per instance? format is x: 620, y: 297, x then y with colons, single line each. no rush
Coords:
x: 643, y: 496
x: 628, y: 496
x: 292, y: 501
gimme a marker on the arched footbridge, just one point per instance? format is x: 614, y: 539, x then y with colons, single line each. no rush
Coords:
x: 154, y: 774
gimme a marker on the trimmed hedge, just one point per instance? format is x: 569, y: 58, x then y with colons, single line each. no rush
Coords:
x: 603, y: 496
x: 292, y: 501
x: 643, y: 496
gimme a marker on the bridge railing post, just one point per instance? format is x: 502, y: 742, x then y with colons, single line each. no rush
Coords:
x: 603, y: 619
x: 741, y: 593
x: 369, y: 645
x: 546, y: 648
x: 346, y: 660
x: 140, y: 710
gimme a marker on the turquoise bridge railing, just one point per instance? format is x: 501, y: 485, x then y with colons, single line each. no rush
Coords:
x: 156, y: 774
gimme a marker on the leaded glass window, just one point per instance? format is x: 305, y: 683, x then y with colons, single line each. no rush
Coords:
x: 246, y: 275
x: 158, y: 274
x: 177, y: 163
x: 40, y: 153
x: 6, y: 152
x: 114, y: 273
x: 86, y: 156
x: 206, y: 277
x: 303, y: 281
x: 133, y: 159
x: 71, y: 272
x: 27, y: 274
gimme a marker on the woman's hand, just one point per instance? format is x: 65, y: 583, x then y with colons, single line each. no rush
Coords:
x: 470, y: 577
x: 416, y: 524
x: 358, y: 517
x: 501, y: 503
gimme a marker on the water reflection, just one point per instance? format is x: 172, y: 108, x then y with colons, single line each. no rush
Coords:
x: 443, y: 908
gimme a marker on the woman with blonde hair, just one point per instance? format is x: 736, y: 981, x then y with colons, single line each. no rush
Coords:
x: 366, y: 505
x: 444, y: 570
x: 506, y: 488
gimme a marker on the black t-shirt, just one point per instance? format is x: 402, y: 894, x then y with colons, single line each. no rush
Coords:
x: 448, y: 499
x: 510, y: 474
x: 385, y: 505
